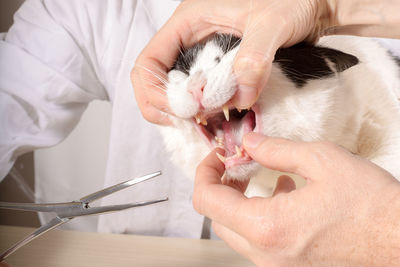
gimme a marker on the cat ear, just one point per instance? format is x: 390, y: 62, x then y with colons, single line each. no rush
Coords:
x: 342, y: 61
x: 304, y: 62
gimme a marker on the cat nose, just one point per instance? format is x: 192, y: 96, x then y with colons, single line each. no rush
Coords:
x: 196, y: 86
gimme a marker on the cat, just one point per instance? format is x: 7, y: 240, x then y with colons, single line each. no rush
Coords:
x: 344, y: 90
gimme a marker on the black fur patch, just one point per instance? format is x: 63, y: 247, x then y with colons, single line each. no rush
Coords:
x: 396, y: 59
x: 186, y: 58
x: 304, y: 62
x: 300, y: 63
x: 226, y: 41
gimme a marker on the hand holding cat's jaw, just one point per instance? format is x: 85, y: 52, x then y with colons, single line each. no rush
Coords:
x: 299, y: 227
x: 152, y: 102
x: 251, y: 77
x: 265, y: 26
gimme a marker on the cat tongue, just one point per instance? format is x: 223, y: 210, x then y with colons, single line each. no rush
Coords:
x: 234, y: 130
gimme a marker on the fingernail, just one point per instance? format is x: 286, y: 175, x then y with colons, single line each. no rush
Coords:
x: 253, y: 140
x: 249, y: 73
x: 245, y: 97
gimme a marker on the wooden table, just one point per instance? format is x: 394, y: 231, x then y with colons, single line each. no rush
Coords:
x: 70, y: 248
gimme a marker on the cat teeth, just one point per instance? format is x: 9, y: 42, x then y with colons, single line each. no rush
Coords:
x: 225, y: 109
x: 219, y: 139
x: 220, y: 157
x: 198, y: 120
x: 239, y: 109
x: 223, y: 176
x: 239, y: 152
x: 220, y: 142
x: 221, y: 146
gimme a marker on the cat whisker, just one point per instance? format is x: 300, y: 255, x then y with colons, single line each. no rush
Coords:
x: 166, y: 82
x: 156, y: 85
x: 153, y: 73
x: 162, y: 93
x: 235, y: 44
x: 181, y: 49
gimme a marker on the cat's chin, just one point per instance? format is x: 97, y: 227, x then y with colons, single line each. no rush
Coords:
x: 242, y: 172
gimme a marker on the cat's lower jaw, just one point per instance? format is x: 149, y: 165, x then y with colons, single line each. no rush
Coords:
x: 242, y: 172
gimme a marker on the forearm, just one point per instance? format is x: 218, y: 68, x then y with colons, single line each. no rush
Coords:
x: 377, y: 18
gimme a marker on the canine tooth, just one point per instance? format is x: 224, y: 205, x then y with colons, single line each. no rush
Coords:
x: 197, y: 119
x: 223, y: 176
x: 220, y: 157
x: 238, y: 151
x: 239, y: 109
x: 219, y: 140
x: 225, y: 109
x: 204, y: 122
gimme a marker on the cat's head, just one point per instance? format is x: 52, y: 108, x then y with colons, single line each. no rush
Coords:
x: 199, y: 88
x: 201, y: 85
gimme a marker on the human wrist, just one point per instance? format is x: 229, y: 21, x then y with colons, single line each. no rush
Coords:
x: 373, y: 18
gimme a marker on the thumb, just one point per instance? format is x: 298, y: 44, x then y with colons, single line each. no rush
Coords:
x: 285, y: 184
x: 253, y: 63
x: 304, y: 159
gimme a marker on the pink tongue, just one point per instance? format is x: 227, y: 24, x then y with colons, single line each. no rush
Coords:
x: 234, y: 131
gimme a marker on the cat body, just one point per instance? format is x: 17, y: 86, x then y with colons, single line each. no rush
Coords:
x: 346, y: 90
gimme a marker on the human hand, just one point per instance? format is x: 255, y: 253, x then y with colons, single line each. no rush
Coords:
x: 263, y: 25
x: 346, y: 215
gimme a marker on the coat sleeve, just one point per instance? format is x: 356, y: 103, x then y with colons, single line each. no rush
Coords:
x: 49, y: 72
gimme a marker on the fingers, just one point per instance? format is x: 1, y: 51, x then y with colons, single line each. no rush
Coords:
x: 224, y: 204
x: 254, y: 60
x: 285, y: 184
x: 210, y: 196
x: 150, y: 91
x: 149, y: 76
x: 209, y: 188
x: 312, y: 161
x: 210, y: 169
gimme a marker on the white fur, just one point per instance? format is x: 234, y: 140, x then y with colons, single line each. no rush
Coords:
x: 357, y: 109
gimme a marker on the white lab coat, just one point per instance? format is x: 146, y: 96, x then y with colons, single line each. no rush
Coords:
x: 60, y: 55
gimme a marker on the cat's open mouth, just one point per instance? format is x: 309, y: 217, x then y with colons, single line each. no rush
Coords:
x: 226, y: 129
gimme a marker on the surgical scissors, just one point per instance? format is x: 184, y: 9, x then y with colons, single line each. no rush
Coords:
x: 69, y: 210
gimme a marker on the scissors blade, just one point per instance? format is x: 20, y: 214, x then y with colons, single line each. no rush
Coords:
x: 43, y: 207
x: 115, y: 188
x: 114, y: 208
x: 38, y: 232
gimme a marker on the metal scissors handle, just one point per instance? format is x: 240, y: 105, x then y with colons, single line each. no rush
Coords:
x: 68, y: 210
